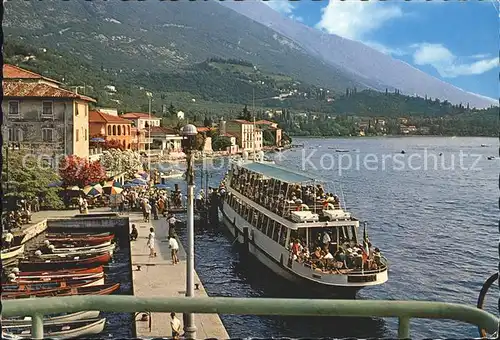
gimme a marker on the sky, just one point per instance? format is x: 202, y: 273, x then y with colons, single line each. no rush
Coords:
x: 456, y: 41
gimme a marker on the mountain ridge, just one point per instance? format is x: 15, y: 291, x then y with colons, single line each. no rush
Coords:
x: 375, y: 73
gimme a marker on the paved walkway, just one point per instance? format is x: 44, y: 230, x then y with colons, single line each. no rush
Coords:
x: 158, y: 277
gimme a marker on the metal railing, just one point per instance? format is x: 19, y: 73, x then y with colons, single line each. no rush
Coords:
x: 403, y: 310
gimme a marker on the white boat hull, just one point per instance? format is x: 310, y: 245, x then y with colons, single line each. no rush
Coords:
x: 275, y: 257
x: 56, y: 319
x: 15, y: 251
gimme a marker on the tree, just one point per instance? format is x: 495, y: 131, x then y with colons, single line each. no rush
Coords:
x: 118, y: 161
x: 245, y: 114
x: 268, y: 138
x: 171, y: 110
x: 75, y: 170
x: 28, y: 177
x: 112, y: 144
x: 220, y: 143
x: 207, y: 122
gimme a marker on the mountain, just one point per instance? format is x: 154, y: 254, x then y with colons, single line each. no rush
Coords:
x: 157, y: 37
x: 160, y: 36
x: 364, y: 64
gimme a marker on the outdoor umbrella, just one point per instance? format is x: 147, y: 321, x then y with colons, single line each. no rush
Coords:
x: 93, y: 190
x: 139, y: 181
x: 73, y: 188
x: 112, y: 190
x: 130, y: 185
x: 56, y: 184
x: 97, y: 140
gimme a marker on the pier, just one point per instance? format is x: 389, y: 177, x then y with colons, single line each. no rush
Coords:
x: 157, y: 277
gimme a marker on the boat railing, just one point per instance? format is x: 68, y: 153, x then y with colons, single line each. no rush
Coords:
x: 384, y: 267
x: 403, y: 310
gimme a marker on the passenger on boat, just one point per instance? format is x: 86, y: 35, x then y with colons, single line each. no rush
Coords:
x: 134, y: 233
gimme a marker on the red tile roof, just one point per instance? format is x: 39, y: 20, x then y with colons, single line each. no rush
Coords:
x: 241, y: 121
x: 228, y: 135
x: 137, y: 115
x: 160, y: 130
x: 19, y: 89
x: 203, y: 129
x: 14, y: 72
x: 264, y: 122
x: 101, y: 117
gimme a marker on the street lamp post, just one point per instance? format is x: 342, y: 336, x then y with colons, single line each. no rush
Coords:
x: 189, y: 132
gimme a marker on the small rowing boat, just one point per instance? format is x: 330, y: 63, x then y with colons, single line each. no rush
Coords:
x: 42, y: 279
x: 60, y: 273
x: 12, y: 252
x: 105, y: 289
x: 81, y: 240
x: 92, y: 314
x: 68, y: 330
x: 70, y: 249
x: 69, y: 254
x: 78, y: 261
x: 73, y: 234
x: 13, y: 288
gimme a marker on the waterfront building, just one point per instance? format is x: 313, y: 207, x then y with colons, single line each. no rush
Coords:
x: 111, y: 128
x: 41, y: 115
x: 273, y: 128
x: 165, y: 140
x: 248, y: 135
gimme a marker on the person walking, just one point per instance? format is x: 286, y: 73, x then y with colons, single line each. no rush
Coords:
x: 151, y: 242
x: 147, y: 211
x: 174, y: 248
x: 171, y: 221
x: 9, y: 237
x: 175, y: 324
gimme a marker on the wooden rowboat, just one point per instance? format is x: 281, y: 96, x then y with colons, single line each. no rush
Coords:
x: 42, y: 279
x: 61, y: 273
x: 91, y: 290
x: 92, y: 314
x: 14, y: 288
x: 75, y: 249
x: 82, y: 261
x: 67, y: 330
x: 12, y: 252
x: 72, y: 254
x: 73, y: 234
x: 90, y: 240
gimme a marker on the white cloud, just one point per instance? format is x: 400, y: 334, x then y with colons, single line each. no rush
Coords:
x: 449, y: 65
x: 385, y: 49
x: 282, y: 6
x: 355, y: 19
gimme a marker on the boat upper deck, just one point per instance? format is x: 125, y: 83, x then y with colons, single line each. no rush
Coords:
x: 295, y: 197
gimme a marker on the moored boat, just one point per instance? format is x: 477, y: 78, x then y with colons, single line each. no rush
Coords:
x: 12, y: 252
x: 75, y: 249
x: 83, y: 261
x: 105, y: 289
x: 42, y: 279
x: 52, y: 319
x: 81, y: 240
x: 67, y: 330
x: 59, y: 273
x: 276, y: 214
x: 78, y: 253
x: 73, y: 234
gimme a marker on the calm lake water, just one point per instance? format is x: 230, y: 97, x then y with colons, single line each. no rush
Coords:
x: 436, y: 222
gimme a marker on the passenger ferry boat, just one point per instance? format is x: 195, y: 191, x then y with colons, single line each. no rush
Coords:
x: 271, y: 210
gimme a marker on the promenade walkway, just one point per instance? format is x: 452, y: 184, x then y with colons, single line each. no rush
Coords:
x: 158, y: 277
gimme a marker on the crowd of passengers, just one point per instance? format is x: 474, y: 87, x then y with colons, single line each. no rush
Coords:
x: 329, y: 257
x: 282, y: 198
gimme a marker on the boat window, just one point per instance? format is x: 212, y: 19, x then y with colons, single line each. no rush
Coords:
x: 354, y: 236
x: 283, y: 236
x: 301, y: 233
x: 270, y: 229
x: 277, y: 231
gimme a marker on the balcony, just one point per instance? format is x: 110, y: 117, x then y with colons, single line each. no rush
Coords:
x: 403, y: 310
